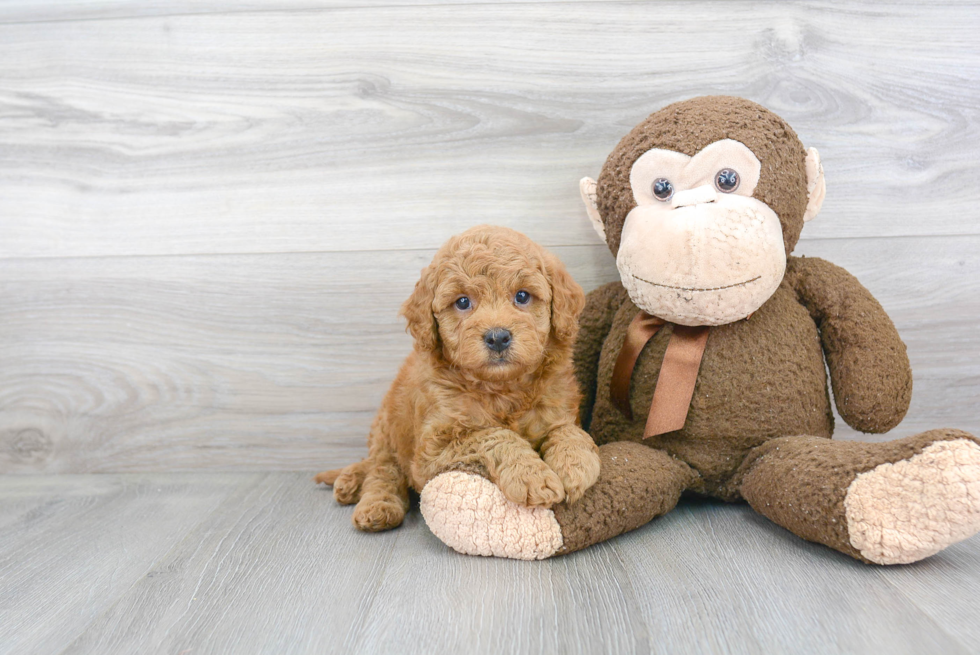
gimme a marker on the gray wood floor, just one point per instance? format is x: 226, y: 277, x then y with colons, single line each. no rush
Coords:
x: 267, y: 563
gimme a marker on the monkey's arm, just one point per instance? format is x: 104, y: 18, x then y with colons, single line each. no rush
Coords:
x: 869, y: 368
x: 594, y: 324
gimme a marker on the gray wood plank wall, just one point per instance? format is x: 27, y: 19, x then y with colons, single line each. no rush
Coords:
x: 210, y: 212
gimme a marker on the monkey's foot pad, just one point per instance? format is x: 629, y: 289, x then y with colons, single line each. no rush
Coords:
x: 903, y: 512
x: 471, y: 515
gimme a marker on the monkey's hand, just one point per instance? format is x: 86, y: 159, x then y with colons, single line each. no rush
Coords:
x: 869, y: 368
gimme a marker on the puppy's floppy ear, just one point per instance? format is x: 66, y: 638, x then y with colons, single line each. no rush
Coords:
x: 417, y: 310
x: 567, y: 300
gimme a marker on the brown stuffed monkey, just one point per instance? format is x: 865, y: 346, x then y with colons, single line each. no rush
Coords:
x: 704, y: 368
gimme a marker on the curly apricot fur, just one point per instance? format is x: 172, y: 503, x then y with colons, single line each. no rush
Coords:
x: 455, y: 403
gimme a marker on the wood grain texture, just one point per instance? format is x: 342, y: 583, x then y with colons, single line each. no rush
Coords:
x: 18, y: 11
x: 946, y: 589
x: 70, y: 546
x: 271, y: 362
x: 722, y: 579
x: 437, y: 601
x: 282, y: 570
x: 393, y: 127
x: 259, y: 362
x: 276, y: 567
x: 209, y: 219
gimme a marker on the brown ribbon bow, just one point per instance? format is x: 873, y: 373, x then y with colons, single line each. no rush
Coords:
x: 678, y: 373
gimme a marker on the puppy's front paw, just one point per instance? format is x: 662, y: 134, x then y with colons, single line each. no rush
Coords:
x: 530, y: 482
x: 378, y: 515
x: 576, y: 466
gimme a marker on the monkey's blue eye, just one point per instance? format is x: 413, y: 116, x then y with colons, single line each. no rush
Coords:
x: 662, y: 189
x: 522, y: 297
x: 726, y: 180
x: 462, y: 303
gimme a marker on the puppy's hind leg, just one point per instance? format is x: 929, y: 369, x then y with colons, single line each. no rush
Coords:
x: 384, y: 495
x: 346, y: 482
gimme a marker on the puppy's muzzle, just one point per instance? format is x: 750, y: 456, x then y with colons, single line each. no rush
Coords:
x: 497, y: 339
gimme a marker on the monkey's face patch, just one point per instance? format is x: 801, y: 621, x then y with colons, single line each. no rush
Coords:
x: 698, y: 249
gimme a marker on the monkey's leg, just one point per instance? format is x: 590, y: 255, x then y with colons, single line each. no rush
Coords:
x: 636, y: 483
x: 384, y: 495
x: 888, y: 503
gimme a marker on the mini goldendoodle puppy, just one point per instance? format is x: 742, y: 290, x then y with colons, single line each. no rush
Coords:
x: 488, y: 387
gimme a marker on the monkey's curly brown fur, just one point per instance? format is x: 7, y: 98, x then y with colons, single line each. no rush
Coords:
x: 455, y: 403
x: 690, y: 125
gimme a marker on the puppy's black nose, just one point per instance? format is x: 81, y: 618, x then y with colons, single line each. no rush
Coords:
x: 497, y: 339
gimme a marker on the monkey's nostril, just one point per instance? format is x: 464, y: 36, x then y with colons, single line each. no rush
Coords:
x: 497, y: 339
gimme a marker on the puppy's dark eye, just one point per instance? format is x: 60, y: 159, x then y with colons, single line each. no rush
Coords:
x: 522, y: 297
x: 662, y: 189
x: 462, y: 303
x: 726, y: 180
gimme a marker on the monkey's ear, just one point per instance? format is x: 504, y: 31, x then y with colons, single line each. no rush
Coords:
x: 816, y: 187
x: 586, y: 187
x: 417, y: 310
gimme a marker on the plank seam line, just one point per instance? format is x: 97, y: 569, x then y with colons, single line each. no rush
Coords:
x: 881, y: 574
x: 356, y: 632
x: 632, y: 604
x: 14, y: 260
x: 122, y: 594
x: 315, y: 10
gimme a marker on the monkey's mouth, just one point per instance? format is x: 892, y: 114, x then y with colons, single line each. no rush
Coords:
x: 668, y: 286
